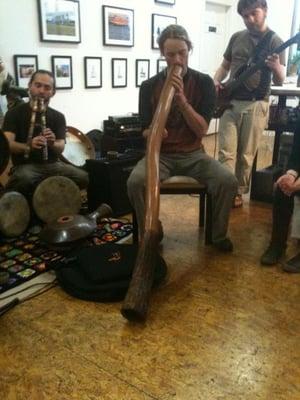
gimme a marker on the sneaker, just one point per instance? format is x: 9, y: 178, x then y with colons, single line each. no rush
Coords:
x: 293, y: 265
x: 272, y: 255
x: 224, y: 245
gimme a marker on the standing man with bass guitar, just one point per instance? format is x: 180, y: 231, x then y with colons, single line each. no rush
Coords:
x: 242, y: 124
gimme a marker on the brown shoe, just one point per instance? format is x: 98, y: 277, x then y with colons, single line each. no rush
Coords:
x: 238, y: 201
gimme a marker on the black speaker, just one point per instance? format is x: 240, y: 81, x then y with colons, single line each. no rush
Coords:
x: 107, y: 183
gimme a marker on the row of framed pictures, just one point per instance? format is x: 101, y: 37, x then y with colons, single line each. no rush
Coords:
x: 25, y: 65
x: 59, y: 21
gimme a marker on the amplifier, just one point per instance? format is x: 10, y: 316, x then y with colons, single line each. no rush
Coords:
x: 122, y: 144
x: 107, y: 182
x: 123, y: 125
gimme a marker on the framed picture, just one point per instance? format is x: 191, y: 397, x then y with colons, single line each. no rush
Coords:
x: 142, y: 71
x: 119, y: 72
x: 62, y: 70
x: 59, y: 20
x: 161, y: 64
x: 159, y: 23
x: 93, y: 72
x: 118, y: 26
x: 25, y: 65
x: 165, y: 1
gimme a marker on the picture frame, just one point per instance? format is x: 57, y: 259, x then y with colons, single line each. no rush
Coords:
x: 25, y: 65
x: 142, y: 71
x: 62, y: 71
x: 118, y: 26
x: 161, y: 64
x: 59, y: 21
x: 171, y: 2
x: 119, y: 72
x: 159, y: 23
x: 93, y: 72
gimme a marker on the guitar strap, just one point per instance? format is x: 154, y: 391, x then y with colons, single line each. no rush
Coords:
x: 262, y: 48
x: 260, y: 52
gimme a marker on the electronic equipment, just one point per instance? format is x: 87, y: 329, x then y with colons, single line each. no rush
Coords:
x: 122, y: 126
x: 108, y: 182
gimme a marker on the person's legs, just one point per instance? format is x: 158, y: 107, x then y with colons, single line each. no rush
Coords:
x: 282, y: 213
x: 136, y: 187
x: 76, y: 174
x: 24, y: 179
x: 293, y: 264
x: 228, y: 131
x: 254, y: 121
x: 221, y: 184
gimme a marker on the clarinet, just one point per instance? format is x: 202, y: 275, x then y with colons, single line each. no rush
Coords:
x: 42, y: 110
x: 34, y: 107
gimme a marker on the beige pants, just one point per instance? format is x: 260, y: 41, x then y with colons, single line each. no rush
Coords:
x: 240, y: 131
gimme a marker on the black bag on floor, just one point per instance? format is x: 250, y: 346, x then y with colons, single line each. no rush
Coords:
x: 101, y: 273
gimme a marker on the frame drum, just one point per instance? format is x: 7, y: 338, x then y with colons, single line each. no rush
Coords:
x: 55, y: 197
x: 14, y: 214
x: 78, y: 148
x: 4, y: 153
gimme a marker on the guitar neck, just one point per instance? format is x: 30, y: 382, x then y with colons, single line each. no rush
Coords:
x: 233, y: 85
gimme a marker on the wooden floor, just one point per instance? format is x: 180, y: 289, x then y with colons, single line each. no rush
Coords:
x: 221, y: 327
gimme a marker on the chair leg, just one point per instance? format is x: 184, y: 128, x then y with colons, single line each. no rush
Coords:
x: 208, y: 220
x: 202, y: 200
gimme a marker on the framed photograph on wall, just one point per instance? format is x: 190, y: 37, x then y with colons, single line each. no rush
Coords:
x: 159, y: 23
x: 118, y: 26
x: 25, y: 65
x: 93, y: 72
x: 59, y: 20
x: 119, y: 72
x: 62, y: 70
x: 161, y: 64
x: 165, y: 1
x: 142, y: 71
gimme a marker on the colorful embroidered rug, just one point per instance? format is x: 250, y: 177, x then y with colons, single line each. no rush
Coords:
x: 26, y: 257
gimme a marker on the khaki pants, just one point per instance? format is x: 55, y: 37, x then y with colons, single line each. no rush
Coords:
x: 240, y: 131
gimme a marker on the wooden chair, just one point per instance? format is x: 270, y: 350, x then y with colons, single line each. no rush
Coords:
x: 186, y: 185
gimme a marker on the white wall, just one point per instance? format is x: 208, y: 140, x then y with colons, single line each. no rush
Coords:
x: 87, y: 108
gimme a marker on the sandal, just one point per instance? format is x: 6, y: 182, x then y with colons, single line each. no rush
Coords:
x: 238, y: 201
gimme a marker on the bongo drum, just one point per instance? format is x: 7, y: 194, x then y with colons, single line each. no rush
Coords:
x: 14, y: 214
x: 78, y: 148
x: 55, y: 197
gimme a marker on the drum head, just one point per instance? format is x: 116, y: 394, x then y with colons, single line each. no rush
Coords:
x: 55, y: 197
x: 14, y: 214
x: 4, y: 153
x: 78, y: 148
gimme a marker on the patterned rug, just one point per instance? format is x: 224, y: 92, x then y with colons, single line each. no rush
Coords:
x: 26, y: 257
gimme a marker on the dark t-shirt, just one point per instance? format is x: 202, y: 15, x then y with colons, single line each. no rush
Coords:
x: 239, y: 51
x: 200, y: 92
x: 17, y: 121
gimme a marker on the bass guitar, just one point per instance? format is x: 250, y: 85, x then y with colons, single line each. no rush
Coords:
x: 228, y: 90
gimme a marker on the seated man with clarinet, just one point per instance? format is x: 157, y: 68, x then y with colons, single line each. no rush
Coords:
x: 36, y: 135
x: 181, y: 150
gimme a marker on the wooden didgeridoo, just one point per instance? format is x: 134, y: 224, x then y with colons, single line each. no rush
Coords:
x: 136, y: 302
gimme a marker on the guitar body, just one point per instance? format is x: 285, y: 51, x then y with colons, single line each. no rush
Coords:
x: 224, y: 95
x: 223, y: 103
